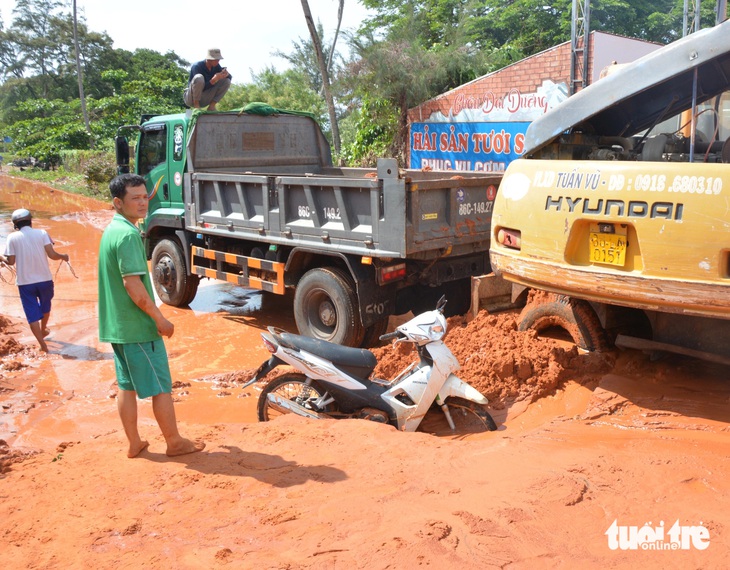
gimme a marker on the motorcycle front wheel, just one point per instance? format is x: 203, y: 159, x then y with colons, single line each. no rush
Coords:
x: 292, y: 387
x: 469, y: 417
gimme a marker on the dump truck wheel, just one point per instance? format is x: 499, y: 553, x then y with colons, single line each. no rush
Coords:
x: 374, y: 332
x: 173, y: 284
x: 325, y: 306
x: 575, y: 316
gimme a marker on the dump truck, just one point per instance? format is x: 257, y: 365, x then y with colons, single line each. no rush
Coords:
x: 254, y: 199
x: 616, y: 221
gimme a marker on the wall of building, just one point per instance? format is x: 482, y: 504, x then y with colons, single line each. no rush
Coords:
x: 480, y: 125
x: 608, y: 48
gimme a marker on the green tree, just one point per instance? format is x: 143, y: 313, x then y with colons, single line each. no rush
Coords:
x: 38, y: 51
x: 290, y: 89
x: 372, y: 137
x: 149, y: 83
x: 35, y: 35
x: 410, y: 52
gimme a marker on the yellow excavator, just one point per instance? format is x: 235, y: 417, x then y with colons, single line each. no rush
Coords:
x: 615, y: 223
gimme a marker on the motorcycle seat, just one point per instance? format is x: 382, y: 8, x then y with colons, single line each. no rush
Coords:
x: 357, y: 362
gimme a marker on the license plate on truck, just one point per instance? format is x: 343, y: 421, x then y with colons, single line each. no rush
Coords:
x: 607, y: 244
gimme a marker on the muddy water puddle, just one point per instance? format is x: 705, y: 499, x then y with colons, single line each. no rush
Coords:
x: 62, y: 393
x: 69, y: 394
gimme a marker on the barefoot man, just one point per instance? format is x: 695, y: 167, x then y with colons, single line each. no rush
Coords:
x: 31, y: 248
x: 130, y: 320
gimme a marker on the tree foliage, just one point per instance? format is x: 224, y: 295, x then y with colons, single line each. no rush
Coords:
x: 373, y: 126
x: 412, y: 50
x: 39, y: 98
x: 283, y: 90
x: 406, y: 53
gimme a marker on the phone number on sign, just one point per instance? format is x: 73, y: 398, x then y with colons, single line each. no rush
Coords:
x: 658, y: 183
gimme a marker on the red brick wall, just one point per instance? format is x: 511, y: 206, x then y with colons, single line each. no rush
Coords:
x: 526, y: 76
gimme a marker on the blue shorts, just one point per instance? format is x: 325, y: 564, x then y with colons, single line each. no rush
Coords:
x: 143, y: 368
x: 36, y: 299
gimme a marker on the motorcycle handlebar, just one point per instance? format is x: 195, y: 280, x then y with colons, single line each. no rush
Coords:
x: 388, y: 336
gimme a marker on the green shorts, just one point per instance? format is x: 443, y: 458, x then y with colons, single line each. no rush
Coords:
x: 143, y: 368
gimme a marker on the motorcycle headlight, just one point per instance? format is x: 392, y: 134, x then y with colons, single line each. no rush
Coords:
x: 433, y: 331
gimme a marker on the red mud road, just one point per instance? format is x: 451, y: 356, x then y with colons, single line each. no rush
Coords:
x: 585, y: 440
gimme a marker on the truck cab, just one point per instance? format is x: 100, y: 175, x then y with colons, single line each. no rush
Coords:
x: 159, y: 158
x: 163, y: 172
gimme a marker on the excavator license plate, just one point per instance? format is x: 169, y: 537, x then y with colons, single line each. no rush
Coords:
x: 607, y: 248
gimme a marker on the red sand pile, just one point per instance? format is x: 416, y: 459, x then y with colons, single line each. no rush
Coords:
x: 503, y: 363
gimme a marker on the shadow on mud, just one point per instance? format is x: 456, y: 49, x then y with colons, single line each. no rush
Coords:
x: 71, y: 351
x: 270, y: 469
x: 259, y: 309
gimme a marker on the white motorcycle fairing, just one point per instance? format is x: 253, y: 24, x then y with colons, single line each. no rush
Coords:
x: 426, y: 385
x: 457, y: 388
x: 318, y: 368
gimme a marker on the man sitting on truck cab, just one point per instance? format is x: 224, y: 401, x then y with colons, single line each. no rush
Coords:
x: 208, y: 82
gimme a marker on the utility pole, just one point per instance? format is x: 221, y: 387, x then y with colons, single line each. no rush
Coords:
x: 579, y: 45
x: 81, y: 80
x: 720, y: 11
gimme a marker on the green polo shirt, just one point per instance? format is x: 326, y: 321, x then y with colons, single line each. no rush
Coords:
x: 121, y: 253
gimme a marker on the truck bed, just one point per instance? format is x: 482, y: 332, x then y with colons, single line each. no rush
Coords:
x: 263, y: 186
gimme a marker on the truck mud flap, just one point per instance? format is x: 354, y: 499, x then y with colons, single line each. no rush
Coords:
x: 241, y: 270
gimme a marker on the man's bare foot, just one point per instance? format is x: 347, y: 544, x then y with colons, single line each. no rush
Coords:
x: 135, y: 450
x: 184, y: 447
x: 44, y: 346
x: 46, y: 332
x: 211, y: 107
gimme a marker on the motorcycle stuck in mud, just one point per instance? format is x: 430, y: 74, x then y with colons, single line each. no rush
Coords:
x: 333, y: 381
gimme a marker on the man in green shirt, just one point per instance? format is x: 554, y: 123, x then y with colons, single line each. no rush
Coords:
x: 132, y: 322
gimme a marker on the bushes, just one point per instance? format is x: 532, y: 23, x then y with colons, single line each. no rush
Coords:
x: 97, y: 167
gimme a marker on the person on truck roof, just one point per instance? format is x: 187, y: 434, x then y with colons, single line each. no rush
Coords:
x: 208, y: 82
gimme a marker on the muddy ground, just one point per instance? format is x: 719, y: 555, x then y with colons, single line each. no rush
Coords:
x: 584, y: 440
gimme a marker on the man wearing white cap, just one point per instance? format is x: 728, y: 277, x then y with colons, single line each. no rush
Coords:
x: 31, y: 248
x: 208, y: 82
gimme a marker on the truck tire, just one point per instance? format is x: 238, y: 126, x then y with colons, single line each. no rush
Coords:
x: 325, y: 306
x: 374, y: 332
x: 575, y: 316
x: 458, y: 295
x: 172, y: 282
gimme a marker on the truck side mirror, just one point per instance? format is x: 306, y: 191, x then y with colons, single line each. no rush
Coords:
x: 122, y: 150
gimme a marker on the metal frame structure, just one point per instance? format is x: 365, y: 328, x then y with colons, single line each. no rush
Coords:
x: 580, y: 33
x: 579, y: 29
